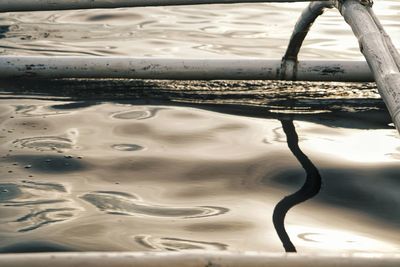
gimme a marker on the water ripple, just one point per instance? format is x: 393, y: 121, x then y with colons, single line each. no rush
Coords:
x: 60, y: 143
x: 127, y: 147
x: 130, y: 205
x: 45, y: 143
x: 176, y: 244
x: 44, y: 217
x: 46, y: 203
x: 185, y: 31
x: 36, y: 111
x: 105, y: 198
x: 139, y: 114
x: 8, y: 191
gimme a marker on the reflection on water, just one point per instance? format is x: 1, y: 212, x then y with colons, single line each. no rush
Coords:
x: 43, y: 143
x: 128, y: 177
x: 126, y: 204
x: 310, y: 188
x: 251, y: 30
x: 46, y: 203
x: 62, y: 143
x: 51, y: 164
x: 34, y: 246
x: 35, y: 111
x: 176, y: 244
x: 138, y: 114
x: 127, y: 147
x: 3, y: 31
x: 148, y: 172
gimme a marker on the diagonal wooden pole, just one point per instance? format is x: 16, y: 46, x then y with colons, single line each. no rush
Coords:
x: 378, y: 50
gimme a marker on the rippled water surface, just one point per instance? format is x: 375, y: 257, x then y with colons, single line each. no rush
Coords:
x: 217, y: 31
x: 112, y: 165
x: 122, y: 175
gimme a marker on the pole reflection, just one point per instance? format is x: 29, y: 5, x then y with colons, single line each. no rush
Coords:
x: 310, y: 188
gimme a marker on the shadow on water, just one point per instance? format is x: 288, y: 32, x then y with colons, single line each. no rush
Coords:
x: 263, y: 99
x: 372, y: 191
x: 35, y: 247
x: 242, y: 98
x: 311, y: 187
x: 49, y: 163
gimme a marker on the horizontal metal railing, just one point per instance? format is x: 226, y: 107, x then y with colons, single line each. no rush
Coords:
x: 41, y: 5
x: 178, y: 69
x: 199, y: 259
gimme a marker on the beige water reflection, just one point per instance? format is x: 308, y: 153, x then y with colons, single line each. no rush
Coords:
x: 72, y: 179
x: 220, y: 31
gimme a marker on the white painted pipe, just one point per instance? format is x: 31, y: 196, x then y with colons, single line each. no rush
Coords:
x: 40, y: 5
x: 177, y: 69
x: 200, y: 259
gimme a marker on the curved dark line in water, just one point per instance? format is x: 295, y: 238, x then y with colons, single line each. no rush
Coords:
x: 45, y: 212
x: 36, y: 226
x: 310, y: 188
x: 35, y: 202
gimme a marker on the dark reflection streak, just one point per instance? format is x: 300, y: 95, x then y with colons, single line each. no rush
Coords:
x: 310, y: 188
x: 27, y: 203
x: 3, y: 30
x: 43, y: 212
x: 33, y: 227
